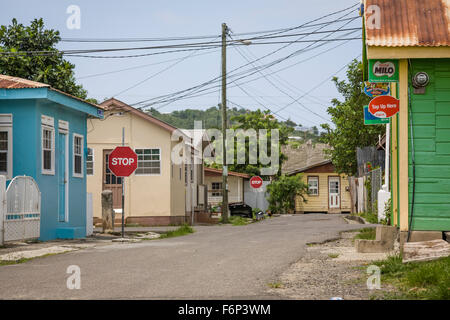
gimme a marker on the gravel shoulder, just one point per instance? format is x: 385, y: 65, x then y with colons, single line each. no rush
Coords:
x: 329, y: 270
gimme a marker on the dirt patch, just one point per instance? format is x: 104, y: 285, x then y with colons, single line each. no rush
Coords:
x: 329, y: 270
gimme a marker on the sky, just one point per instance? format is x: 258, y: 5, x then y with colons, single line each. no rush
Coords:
x: 309, y: 71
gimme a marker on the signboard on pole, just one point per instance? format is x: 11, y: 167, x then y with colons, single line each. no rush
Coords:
x: 370, y: 119
x: 122, y: 161
x: 382, y: 70
x: 374, y: 89
x: 256, y: 182
x: 384, y: 106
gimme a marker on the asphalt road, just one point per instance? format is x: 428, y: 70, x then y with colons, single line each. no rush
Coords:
x: 216, y: 262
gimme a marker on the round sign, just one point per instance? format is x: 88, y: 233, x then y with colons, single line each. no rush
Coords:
x: 256, y: 182
x: 384, y: 106
x: 122, y: 161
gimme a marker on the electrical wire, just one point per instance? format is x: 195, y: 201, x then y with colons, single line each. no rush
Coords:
x: 139, y: 66
x: 270, y: 32
x: 156, y: 74
x: 245, y: 72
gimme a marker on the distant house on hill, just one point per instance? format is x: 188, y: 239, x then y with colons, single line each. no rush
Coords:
x: 328, y: 191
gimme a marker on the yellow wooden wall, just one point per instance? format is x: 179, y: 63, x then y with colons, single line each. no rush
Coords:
x: 320, y: 203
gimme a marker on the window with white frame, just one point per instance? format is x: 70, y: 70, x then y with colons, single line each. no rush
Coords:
x: 77, y: 155
x: 48, y: 145
x: 149, y: 161
x: 313, y: 186
x: 90, y: 162
x: 216, y: 189
x: 6, y: 145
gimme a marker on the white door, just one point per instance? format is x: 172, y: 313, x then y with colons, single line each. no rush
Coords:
x: 334, y: 192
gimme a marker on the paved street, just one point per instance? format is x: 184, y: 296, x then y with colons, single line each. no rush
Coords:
x: 214, y: 262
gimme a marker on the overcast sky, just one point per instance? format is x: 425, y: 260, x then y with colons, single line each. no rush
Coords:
x: 150, y: 19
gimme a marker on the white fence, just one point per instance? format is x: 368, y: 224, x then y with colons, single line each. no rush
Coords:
x: 20, y: 209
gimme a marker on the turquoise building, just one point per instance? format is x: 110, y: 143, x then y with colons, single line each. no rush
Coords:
x: 43, y: 135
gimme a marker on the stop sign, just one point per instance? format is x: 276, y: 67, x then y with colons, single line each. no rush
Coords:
x: 122, y: 161
x: 256, y: 182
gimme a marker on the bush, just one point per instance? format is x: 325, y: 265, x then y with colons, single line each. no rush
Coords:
x: 282, y: 193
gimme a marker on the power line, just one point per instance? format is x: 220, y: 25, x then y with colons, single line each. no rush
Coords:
x: 320, y: 84
x: 157, y: 73
x: 245, y: 74
x: 308, y: 24
x: 139, y: 66
x: 199, y: 45
x: 240, y: 67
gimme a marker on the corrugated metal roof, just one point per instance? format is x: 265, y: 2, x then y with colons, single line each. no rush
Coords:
x: 419, y: 23
x: 8, y: 82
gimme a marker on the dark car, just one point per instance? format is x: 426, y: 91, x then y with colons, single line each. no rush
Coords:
x: 240, y: 209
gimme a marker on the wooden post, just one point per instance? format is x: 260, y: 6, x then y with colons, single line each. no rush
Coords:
x: 107, y: 211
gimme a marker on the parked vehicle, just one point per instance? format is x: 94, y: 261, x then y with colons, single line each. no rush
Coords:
x: 240, y: 209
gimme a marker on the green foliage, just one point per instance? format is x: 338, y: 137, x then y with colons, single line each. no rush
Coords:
x: 387, y: 213
x: 282, y: 192
x: 181, y: 231
x: 366, y: 233
x: 349, y: 131
x: 236, y: 221
x: 368, y: 216
x: 211, y: 118
x: 51, y: 69
x: 418, y: 280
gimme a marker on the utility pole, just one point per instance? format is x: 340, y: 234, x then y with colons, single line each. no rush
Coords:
x: 224, y: 125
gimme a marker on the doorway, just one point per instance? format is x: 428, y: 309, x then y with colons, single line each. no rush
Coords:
x: 334, y: 191
x: 63, y: 178
x: 111, y: 182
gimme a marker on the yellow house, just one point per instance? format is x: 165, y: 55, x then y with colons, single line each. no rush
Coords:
x: 155, y: 194
x: 328, y: 191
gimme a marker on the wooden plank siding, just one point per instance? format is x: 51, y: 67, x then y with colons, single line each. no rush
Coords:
x: 431, y: 123
x: 320, y: 202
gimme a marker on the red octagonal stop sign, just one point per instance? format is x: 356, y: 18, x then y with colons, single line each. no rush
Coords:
x: 256, y: 182
x: 122, y: 161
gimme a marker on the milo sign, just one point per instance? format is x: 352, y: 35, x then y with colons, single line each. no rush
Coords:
x: 383, y: 71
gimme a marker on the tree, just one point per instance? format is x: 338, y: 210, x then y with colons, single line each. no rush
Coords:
x: 348, y: 118
x: 282, y: 193
x: 51, y: 68
x: 259, y: 120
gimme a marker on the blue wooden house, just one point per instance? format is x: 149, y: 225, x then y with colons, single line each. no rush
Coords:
x: 43, y: 135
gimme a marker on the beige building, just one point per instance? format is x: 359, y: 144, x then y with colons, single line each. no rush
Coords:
x: 213, y: 181
x: 156, y: 193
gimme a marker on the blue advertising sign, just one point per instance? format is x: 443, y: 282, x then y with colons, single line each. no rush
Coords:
x: 370, y: 119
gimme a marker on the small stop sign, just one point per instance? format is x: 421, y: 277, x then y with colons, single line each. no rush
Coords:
x: 122, y: 161
x: 256, y: 182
